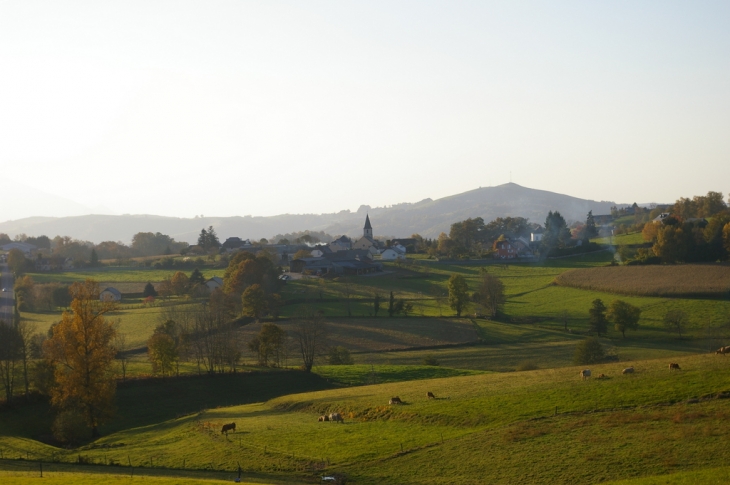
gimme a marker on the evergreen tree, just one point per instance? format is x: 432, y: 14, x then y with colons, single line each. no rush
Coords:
x: 391, y: 305
x: 196, y: 278
x: 598, y: 322
x: 94, y: 258
x: 208, y: 239
x: 556, y: 233
x: 149, y: 290
x: 590, y: 231
x: 376, y: 304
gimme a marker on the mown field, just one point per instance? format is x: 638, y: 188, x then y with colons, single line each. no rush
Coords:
x: 675, y: 281
x: 527, y: 427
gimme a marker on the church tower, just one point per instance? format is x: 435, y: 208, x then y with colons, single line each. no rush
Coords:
x: 367, y: 231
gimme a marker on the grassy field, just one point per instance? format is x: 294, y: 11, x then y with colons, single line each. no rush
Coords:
x: 117, y: 274
x: 709, y: 476
x: 489, y: 424
x: 481, y: 428
x: 621, y: 239
x: 23, y: 473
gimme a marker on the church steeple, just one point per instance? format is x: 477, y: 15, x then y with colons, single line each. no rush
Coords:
x: 367, y: 231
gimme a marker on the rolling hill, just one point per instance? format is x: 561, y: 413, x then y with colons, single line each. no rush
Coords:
x: 427, y: 217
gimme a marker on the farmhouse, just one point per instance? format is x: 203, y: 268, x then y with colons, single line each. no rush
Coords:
x: 235, y: 243
x: 25, y: 247
x: 214, y: 283
x: 320, y: 250
x: 393, y: 253
x: 353, y: 261
x: 504, y: 249
x: 342, y: 243
x: 110, y: 294
x: 54, y: 264
x: 536, y: 234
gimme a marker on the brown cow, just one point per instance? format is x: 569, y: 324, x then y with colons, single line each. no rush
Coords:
x: 324, y: 418
x: 602, y: 376
x: 723, y: 350
x: 430, y: 395
x: 228, y: 427
x: 674, y: 366
x: 395, y: 400
x: 336, y: 417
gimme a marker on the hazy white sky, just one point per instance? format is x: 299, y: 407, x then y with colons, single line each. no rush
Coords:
x: 233, y: 108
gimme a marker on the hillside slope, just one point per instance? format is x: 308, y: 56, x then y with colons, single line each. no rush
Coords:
x: 428, y: 218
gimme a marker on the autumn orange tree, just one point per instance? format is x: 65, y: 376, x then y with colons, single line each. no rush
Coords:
x: 81, y: 351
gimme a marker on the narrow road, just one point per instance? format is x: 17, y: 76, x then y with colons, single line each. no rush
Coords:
x: 6, y: 297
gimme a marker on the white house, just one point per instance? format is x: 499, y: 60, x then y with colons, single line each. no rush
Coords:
x: 214, y: 283
x: 393, y: 253
x: 536, y: 235
x: 110, y: 294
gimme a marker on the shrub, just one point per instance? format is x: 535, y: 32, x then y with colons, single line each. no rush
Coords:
x: 339, y: 356
x: 70, y: 427
x: 526, y: 365
x: 589, y: 351
x: 431, y: 360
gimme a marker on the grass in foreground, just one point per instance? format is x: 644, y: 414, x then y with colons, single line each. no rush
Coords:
x: 499, y: 428
x: 718, y: 475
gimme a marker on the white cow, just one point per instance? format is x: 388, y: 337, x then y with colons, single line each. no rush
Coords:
x: 585, y: 373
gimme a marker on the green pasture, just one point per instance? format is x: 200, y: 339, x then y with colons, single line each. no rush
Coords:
x: 362, y: 374
x: 495, y: 427
x: 709, y: 476
x: 14, y: 473
x: 118, y: 274
x: 137, y: 322
x: 621, y: 239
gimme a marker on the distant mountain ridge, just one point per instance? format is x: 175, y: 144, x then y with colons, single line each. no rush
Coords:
x: 427, y: 217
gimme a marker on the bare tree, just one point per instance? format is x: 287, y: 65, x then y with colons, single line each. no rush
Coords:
x: 26, y: 330
x: 676, y: 320
x: 310, y: 336
x: 564, y: 315
x: 213, y: 339
x: 10, y: 345
x: 120, y: 343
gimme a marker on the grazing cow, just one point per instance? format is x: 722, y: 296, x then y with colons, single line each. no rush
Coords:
x: 430, y: 395
x: 336, y: 417
x: 628, y: 370
x: 674, y: 366
x: 602, y: 376
x: 228, y: 427
x: 585, y: 374
x: 395, y: 400
x: 723, y: 350
x: 324, y: 418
